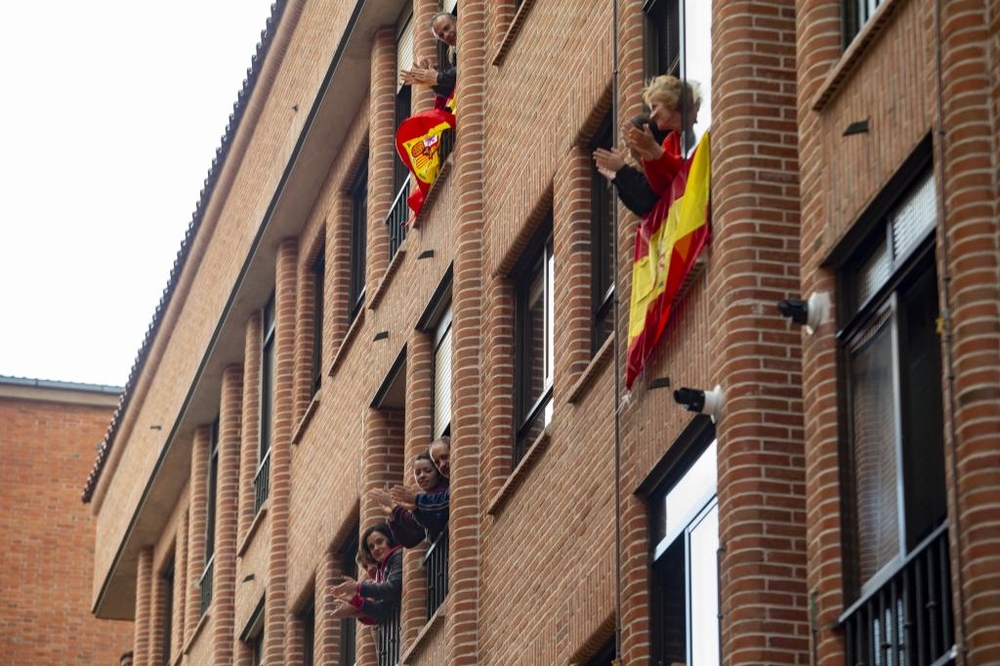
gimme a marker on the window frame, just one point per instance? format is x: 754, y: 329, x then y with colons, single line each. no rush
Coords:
x: 318, y: 272
x: 358, y: 260
x: 537, y: 264
x: 677, y: 466
x: 603, y: 262
x: 268, y: 358
x: 861, y: 319
x: 857, y: 14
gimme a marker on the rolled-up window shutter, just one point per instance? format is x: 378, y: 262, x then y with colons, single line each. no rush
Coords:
x: 404, y: 50
x: 442, y: 376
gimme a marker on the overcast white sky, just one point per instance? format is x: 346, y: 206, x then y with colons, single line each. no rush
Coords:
x: 110, y: 114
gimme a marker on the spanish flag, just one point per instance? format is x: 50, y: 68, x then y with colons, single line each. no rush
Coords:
x: 418, y: 143
x: 667, y: 242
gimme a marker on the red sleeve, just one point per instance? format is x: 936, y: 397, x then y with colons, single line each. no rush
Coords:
x: 358, y: 602
x: 661, y: 172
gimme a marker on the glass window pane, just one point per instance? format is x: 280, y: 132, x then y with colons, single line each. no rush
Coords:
x: 873, y: 412
x: 536, y: 337
x: 703, y: 601
x: 872, y: 274
x: 691, y: 493
x: 550, y: 314
x: 696, y: 60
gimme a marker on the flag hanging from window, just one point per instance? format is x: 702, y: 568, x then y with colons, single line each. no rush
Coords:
x: 667, y: 243
x: 418, y: 143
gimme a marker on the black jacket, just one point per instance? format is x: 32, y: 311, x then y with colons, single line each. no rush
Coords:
x: 634, y: 190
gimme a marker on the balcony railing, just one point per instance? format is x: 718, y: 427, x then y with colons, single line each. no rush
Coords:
x: 447, y: 144
x: 262, y: 483
x: 397, y: 218
x: 908, y: 620
x: 388, y: 640
x: 205, y: 585
x: 436, y: 564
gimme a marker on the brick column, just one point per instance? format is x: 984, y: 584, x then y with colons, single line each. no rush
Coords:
x: 328, y: 636
x: 143, y: 602
x: 572, y: 247
x: 157, y: 618
x: 250, y: 437
x: 425, y: 47
x: 276, y: 601
x: 381, y: 152
x: 467, y: 322
x: 819, y: 39
x: 224, y: 571
x: 755, y: 260
x: 498, y: 385
x: 419, y: 420
x: 968, y: 139
x: 196, y: 527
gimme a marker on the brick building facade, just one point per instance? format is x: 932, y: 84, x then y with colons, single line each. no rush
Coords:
x: 844, y: 502
x: 48, y: 434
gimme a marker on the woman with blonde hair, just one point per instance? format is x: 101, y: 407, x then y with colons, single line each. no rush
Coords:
x: 673, y: 108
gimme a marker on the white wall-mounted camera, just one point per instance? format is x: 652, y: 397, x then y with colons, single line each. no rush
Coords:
x: 811, y: 313
x: 701, y: 402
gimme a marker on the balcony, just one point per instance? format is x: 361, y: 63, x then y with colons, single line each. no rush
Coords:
x: 397, y: 218
x: 908, y: 620
x: 262, y: 483
x: 388, y: 640
x: 205, y: 585
x: 436, y: 565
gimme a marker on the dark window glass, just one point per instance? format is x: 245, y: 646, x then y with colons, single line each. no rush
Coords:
x: 212, y: 491
x: 856, y: 14
x: 663, y: 38
x: 267, y: 380
x: 534, y: 343
x: 168, y: 612
x: 308, y: 619
x: 605, y: 656
x: 319, y: 284
x: 359, y: 239
x: 602, y: 260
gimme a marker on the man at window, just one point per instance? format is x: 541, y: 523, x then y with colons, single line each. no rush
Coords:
x: 445, y: 27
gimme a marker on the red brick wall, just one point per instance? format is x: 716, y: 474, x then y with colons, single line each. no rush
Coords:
x: 48, y: 536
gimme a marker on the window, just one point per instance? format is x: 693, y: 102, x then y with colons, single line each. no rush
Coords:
x: 399, y: 214
x: 856, y: 15
x: 534, y: 342
x: 605, y: 656
x: 895, y: 503
x: 892, y: 357
x: 319, y: 279
x: 602, y: 259
x: 348, y: 626
x: 442, y: 376
x: 168, y: 611
x: 252, y: 635
x: 212, y: 486
x: 308, y: 619
x: 358, y: 193
x: 685, y: 572
x: 679, y: 42
x: 262, y: 479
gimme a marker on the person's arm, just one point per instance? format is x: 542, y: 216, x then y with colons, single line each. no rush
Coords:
x: 432, y: 511
x: 662, y: 171
x: 634, y: 190
x: 446, y: 82
x: 405, y: 528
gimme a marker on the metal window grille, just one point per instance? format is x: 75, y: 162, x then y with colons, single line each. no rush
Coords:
x: 262, y: 483
x: 436, y: 566
x: 388, y: 640
x: 908, y: 619
x: 205, y: 586
x: 398, y: 216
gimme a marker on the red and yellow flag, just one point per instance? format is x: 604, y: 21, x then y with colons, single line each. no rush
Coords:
x: 667, y: 242
x: 418, y: 143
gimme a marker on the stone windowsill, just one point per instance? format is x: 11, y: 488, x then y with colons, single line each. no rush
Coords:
x: 307, y: 417
x: 352, y: 332
x: 593, y: 369
x: 254, y: 526
x: 425, y: 633
x: 520, y: 472
x: 512, y: 32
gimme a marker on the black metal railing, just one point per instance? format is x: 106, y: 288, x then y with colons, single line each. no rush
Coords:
x: 205, y: 585
x: 908, y: 620
x: 262, y: 483
x: 447, y: 144
x: 397, y: 218
x: 436, y: 565
x: 388, y: 640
